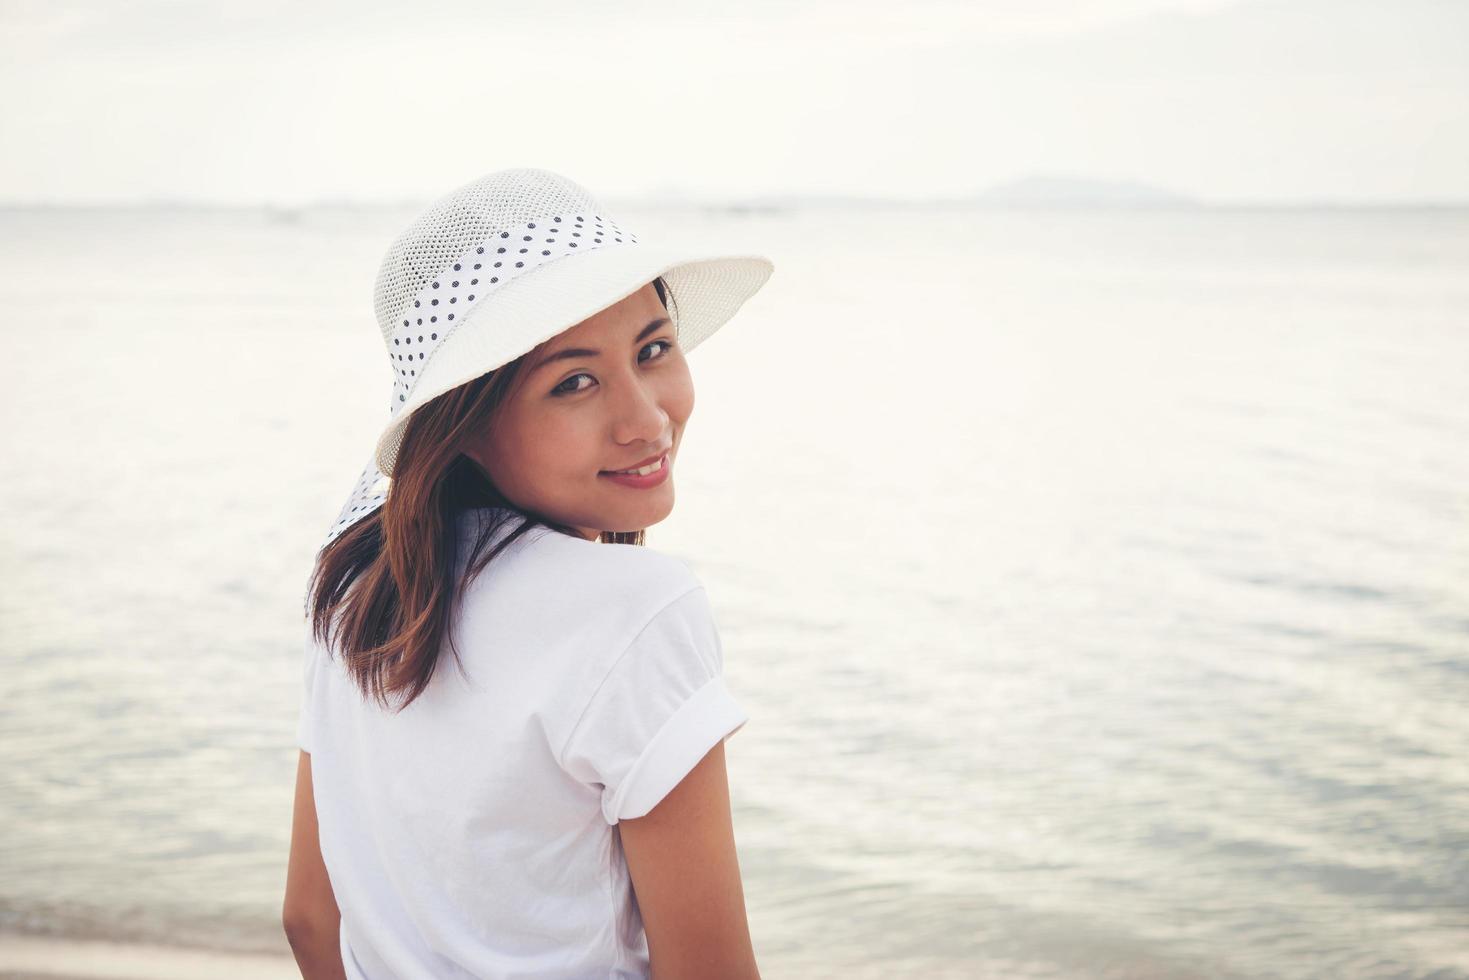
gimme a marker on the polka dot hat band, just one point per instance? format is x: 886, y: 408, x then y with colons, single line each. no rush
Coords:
x: 497, y: 266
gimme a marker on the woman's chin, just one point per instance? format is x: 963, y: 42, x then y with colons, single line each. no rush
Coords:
x: 642, y: 518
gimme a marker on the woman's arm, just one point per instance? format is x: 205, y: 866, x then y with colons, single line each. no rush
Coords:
x: 310, y: 915
x: 686, y: 875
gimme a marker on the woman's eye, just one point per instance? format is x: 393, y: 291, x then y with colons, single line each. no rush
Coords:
x: 667, y: 346
x: 563, y: 389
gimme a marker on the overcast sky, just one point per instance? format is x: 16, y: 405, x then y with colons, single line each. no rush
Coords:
x: 264, y: 101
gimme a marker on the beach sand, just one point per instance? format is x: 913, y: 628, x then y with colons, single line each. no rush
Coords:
x: 42, y: 958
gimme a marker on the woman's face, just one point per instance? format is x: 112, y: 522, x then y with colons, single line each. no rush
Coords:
x: 603, y: 395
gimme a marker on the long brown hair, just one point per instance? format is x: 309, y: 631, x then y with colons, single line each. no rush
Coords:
x: 384, y: 591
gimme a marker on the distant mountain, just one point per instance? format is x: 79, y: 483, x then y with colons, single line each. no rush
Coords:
x: 1046, y: 190
x: 1035, y: 191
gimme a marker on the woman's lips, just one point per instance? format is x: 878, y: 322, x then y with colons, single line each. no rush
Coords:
x: 640, y: 482
x: 639, y: 464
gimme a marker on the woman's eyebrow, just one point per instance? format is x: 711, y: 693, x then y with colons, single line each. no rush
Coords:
x: 584, y: 352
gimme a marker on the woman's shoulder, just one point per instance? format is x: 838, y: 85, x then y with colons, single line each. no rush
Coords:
x: 635, y: 570
x: 547, y: 561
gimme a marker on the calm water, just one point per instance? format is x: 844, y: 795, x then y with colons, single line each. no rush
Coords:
x: 1097, y: 583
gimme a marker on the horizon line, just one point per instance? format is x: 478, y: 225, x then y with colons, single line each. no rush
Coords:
x: 779, y: 201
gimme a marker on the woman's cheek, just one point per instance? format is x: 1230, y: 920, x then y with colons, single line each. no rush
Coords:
x: 683, y: 398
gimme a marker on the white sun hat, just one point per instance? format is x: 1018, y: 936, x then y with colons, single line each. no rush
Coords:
x: 509, y: 260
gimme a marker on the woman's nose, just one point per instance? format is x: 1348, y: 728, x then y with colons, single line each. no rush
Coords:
x: 640, y: 417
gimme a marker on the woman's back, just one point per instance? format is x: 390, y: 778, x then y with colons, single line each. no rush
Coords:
x: 474, y: 833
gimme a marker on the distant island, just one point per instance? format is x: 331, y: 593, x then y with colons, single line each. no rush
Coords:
x: 1034, y: 191
x: 1044, y: 190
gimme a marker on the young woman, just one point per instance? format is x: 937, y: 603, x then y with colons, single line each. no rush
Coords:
x: 554, y: 802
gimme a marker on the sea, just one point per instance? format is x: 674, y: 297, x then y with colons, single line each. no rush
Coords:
x: 1096, y: 580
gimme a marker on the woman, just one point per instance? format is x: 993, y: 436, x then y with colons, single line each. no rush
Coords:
x: 556, y: 804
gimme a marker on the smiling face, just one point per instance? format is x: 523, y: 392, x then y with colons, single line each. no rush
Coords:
x: 603, y: 395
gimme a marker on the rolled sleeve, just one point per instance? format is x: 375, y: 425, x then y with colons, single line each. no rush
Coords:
x: 661, y: 708
x: 708, y: 717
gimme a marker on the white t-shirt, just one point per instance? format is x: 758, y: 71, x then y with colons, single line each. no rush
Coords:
x: 474, y: 833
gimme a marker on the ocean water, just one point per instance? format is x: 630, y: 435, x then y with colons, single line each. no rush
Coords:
x: 1097, y: 582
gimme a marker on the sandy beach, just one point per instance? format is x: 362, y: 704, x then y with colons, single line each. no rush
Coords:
x: 41, y: 958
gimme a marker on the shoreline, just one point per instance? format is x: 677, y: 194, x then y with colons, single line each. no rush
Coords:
x: 52, y: 958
